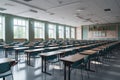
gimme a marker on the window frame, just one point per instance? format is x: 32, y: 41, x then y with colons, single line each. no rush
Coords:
x: 67, y: 30
x: 61, y: 31
x: 41, y: 27
x: 73, y: 33
x: 2, y: 23
x: 54, y: 31
x: 19, y: 24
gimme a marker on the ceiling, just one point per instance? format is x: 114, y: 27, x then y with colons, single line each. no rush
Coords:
x: 70, y: 12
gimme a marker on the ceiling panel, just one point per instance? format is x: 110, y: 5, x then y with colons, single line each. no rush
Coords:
x: 70, y: 12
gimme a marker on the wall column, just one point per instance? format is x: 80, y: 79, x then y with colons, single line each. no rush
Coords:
x: 46, y: 31
x: 8, y: 28
x: 31, y: 30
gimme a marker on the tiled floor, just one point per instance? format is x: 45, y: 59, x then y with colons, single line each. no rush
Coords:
x: 109, y: 70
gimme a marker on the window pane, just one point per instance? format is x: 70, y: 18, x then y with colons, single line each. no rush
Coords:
x: 61, y: 31
x: 67, y: 32
x: 52, y: 31
x: 20, y: 28
x: 1, y: 26
x: 39, y: 29
x: 1, y: 33
x: 0, y: 19
x: 72, y: 33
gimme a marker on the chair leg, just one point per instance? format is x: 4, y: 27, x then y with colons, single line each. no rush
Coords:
x: 12, y: 77
x: 3, y: 78
x: 81, y: 74
x: 88, y: 74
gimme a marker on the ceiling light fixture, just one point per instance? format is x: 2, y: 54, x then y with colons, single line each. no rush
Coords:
x: 2, y: 9
x: 60, y: 2
x: 27, y: 0
x: 8, y: 4
x: 80, y: 9
x: 32, y: 6
x: 107, y: 9
x: 51, y: 13
x: 34, y: 11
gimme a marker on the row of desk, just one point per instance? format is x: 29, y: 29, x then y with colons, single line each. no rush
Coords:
x: 66, y: 60
x: 69, y: 60
x: 60, y: 53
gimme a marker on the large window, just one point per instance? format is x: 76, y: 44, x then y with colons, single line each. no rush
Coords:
x: 61, y: 31
x: 39, y: 29
x: 1, y: 27
x: 20, y: 28
x: 52, y: 31
x: 67, y: 32
x: 72, y: 33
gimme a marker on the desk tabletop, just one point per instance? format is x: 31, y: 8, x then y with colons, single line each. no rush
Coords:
x: 73, y: 58
x: 57, y: 52
x: 62, y: 51
x: 102, y: 47
x: 66, y: 46
x: 5, y: 47
x: 97, y: 49
x: 50, y: 53
x: 65, y: 50
x: 34, y: 50
x: 39, y: 46
x: 78, y: 47
x: 39, y: 49
x: 5, y: 60
x: 88, y: 52
x: 21, y: 48
x: 51, y: 47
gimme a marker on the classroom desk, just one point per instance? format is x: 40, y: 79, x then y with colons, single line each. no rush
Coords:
x: 39, y: 50
x: 67, y: 60
x: 1, y: 46
x: 66, y: 46
x: 76, y: 45
x: 53, y: 45
x: 28, y: 52
x: 7, y: 48
x: 19, y: 49
x: 39, y: 46
x: 44, y: 61
x: 89, y: 52
x: 97, y: 49
x: 6, y: 60
x: 60, y: 52
x: 70, y: 60
x: 47, y: 54
x: 51, y: 48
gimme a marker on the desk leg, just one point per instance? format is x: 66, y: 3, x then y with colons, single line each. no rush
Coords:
x: 89, y: 69
x: 42, y: 64
x: 46, y: 67
x: 69, y: 72
x: 6, y: 55
x: 65, y: 70
x: 89, y: 64
x: 16, y: 55
x: 27, y: 58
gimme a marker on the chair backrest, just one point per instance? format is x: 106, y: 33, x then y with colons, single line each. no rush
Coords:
x: 77, y: 63
x: 51, y: 57
x: 4, y: 67
x: 86, y: 59
x: 73, y: 52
